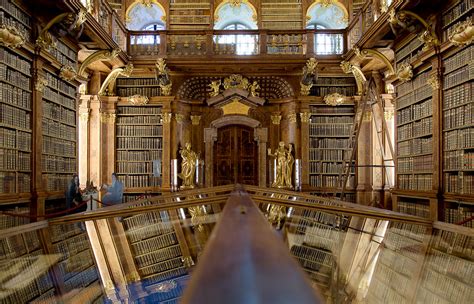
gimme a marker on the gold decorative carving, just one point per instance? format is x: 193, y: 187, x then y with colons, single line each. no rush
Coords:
x: 160, y: 65
x: 214, y: 85
x: 463, y: 33
x: 107, y: 87
x: 359, y: 76
x: 187, y: 261
x: 188, y: 166
x: 195, y: 120
x: 292, y: 117
x: 196, y: 213
x: 388, y: 114
x: 334, y: 99
x: 84, y: 115
x: 377, y: 54
x: 305, y: 89
x: 253, y: 89
x: 166, y: 117
x: 433, y: 81
x: 163, y: 76
x: 236, y: 81
x: 405, y: 72
x: 67, y: 72
x: 235, y: 107
x: 235, y: 3
x: 11, y: 36
x: 138, y: 100
x: 284, y: 166
x: 276, y: 119
x: 101, y: 55
x: 383, y: 6
x: 179, y: 118
x: 305, y: 116
x: 166, y: 89
x: 40, y: 83
x: 276, y: 214
x: 309, y: 76
x: 108, y: 118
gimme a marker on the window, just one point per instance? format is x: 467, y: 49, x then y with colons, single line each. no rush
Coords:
x: 243, y: 44
x: 326, y: 44
x: 148, y: 39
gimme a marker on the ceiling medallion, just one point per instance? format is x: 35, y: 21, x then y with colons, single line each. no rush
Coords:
x: 334, y: 99
x: 138, y: 100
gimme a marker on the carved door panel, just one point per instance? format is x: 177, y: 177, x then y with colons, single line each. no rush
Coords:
x: 235, y: 155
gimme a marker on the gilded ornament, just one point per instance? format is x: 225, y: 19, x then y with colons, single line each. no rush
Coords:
x: 305, y: 116
x: 377, y: 54
x: 405, y: 72
x: 235, y: 107
x: 166, y: 89
x: 284, y: 166
x: 214, y: 85
x: 132, y: 277
x: 463, y: 33
x: 310, y: 76
x: 84, y: 115
x: 67, y: 72
x: 72, y: 22
x: 305, y: 89
x: 166, y: 117
x: 188, y: 166
x: 11, y: 36
x: 276, y: 214
x: 107, y: 88
x: 195, y: 120
x: 384, y: 6
x: 388, y: 115
x: 108, y: 118
x: 187, y: 261
x: 138, y: 100
x: 253, y: 89
x: 163, y: 77
x: 100, y: 55
x: 179, y: 118
x: 334, y: 99
x: 292, y: 117
x: 40, y: 83
x: 236, y: 81
x: 433, y: 81
x: 235, y: 3
x: 359, y: 76
x: 276, y: 119
x: 160, y: 65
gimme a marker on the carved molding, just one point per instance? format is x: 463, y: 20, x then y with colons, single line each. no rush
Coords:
x: 463, y: 33
x: 405, y: 72
x: 166, y: 117
x: 40, y: 83
x: 359, y: 76
x: 138, y: 100
x: 11, y: 36
x: 292, y: 117
x: 195, y: 120
x: 334, y: 99
x: 101, y: 55
x: 108, y: 118
x: 67, y: 72
x: 433, y: 81
x: 377, y: 54
x: 276, y: 119
x: 305, y: 117
x: 107, y: 88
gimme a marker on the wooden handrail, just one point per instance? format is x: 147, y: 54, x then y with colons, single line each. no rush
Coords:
x: 239, y: 265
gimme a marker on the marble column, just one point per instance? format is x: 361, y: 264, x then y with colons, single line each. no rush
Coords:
x: 210, y: 136
x: 261, y: 136
x: 84, y: 138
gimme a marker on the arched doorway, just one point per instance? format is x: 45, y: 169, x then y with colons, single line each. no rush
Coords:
x: 235, y: 156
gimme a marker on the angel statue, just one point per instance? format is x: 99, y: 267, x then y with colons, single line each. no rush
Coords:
x: 188, y: 166
x: 214, y: 85
x: 284, y: 166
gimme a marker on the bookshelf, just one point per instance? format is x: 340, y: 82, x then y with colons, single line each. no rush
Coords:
x: 138, y: 86
x: 345, y: 86
x: 155, y: 247
x: 282, y: 15
x: 139, y: 147
x: 329, y: 132
x: 396, y: 268
x: 11, y: 14
x: 189, y: 14
x: 59, y: 157
x: 454, y: 15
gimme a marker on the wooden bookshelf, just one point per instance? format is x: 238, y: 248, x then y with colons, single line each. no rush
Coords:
x: 329, y: 132
x: 454, y: 15
x: 345, y: 86
x: 189, y: 14
x: 138, y: 86
x: 278, y: 15
x: 139, y: 147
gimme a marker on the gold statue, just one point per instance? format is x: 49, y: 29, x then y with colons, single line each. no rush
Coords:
x: 214, y: 87
x: 284, y: 166
x: 188, y: 166
x: 253, y: 89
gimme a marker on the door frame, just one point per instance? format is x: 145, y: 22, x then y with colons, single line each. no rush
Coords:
x: 260, y: 136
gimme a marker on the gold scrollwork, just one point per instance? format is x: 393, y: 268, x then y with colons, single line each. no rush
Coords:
x: 67, y: 72
x: 40, y: 83
x: 166, y: 117
x: 334, y: 99
x: 236, y: 81
x: 197, y: 213
x: 305, y: 116
x: 405, y: 72
x: 276, y: 119
x: 166, y: 89
x: 276, y: 214
x: 11, y: 36
x: 433, y: 81
x: 463, y: 33
x: 187, y: 261
x: 138, y: 100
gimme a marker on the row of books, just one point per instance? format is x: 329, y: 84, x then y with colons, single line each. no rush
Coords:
x: 137, y: 120
x: 458, y: 160
x: 459, y: 117
x: 9, y: 20
x: 412, y: 48
x: 456, y: 11
x: 330, y: 181
x: 7, y: 138
x: 61, y: 85
x: 317, y: 230
x: 332, y: 119
x: 155, y: 243
x: 157, y: 256
x: 328, y: 143
x: 457, y: 215
x: 8, y: 221
x: 15, y: 61
x: 54, y: 111
x: 71, y: 246
x: 55, y: 181
x: 415, y: 112
x: 458, y: 95
x: 451, y: 265
x: 140, y: 131
x: 413, y: 231
x: 320, y: 256
x: 13, y: 10
x: 459, y: 76
x: 139, y: 143
x: 8, y: 159
x: 73, y: 265
x: 390, y: 277
x: 417, y: 82
x: 452, y: 242
x: 63, y: 232
x: 333, y: 168
x: 161, y: 266
x: 143, y: 228
x: 392, y: 260
x: 419, y: 128
x: 321, y: 218
x: 139, y: 155
x: 136, y: 82
x: 414, y: 96
x: 15, y: 96
x: 323, y: 91
x: 52, y: 163
x: 139, y: 181
x: 58, y: 98
x: 330, y: 130
x: 329, y: 155
x: 415, y: 146
x: 134, y: 168
x: 313, y: 265
x: 159, y: 277
x: 452, y: 289
x: 137, y: 221
x: 415, y: 164
x: 59, y: 147
x: 24, y: 161
x: 14, y: 77
x: 57, y: 129
x: 382, y: 293
x: 448, y: 31
x: 69, y: 59
x: 459, y: 139
x: 459, y: 183
x: 421, y: 182
x: 14, y: 117
x: 405, y: 246
x: 332, y: 110
x: 144, y: 91
x: 82, y: 279
x: 335, y: 80
x: 458, y: 60
x: 413, y: 208
x: 8, y: 183
x: 139, y: 111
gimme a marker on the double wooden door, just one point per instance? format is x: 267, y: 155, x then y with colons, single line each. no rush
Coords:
x: 235, y: 156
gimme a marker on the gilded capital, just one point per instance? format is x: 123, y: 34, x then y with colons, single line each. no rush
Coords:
x: 433, y: 81
x: 84, y: 115
x: 179, y: 118
x: 108, y: 118
x: 166, y: 117
x: 305, y: 116
x: 195, y: 119
x: 40, y: 83
x: 276, y: 119
x: 292, y: 117
x: 388, y: 114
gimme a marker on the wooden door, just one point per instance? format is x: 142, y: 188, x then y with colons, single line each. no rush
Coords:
x: 235, y: 156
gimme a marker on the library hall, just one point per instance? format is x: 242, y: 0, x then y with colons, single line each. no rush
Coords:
x: 237, y: 151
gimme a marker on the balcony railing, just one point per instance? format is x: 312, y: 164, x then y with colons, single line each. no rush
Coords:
x: 241, y: 42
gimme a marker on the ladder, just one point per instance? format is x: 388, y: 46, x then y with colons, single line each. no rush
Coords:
x: 370, y: 102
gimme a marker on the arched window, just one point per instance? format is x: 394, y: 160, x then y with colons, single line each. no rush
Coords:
x: 139, y: 16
